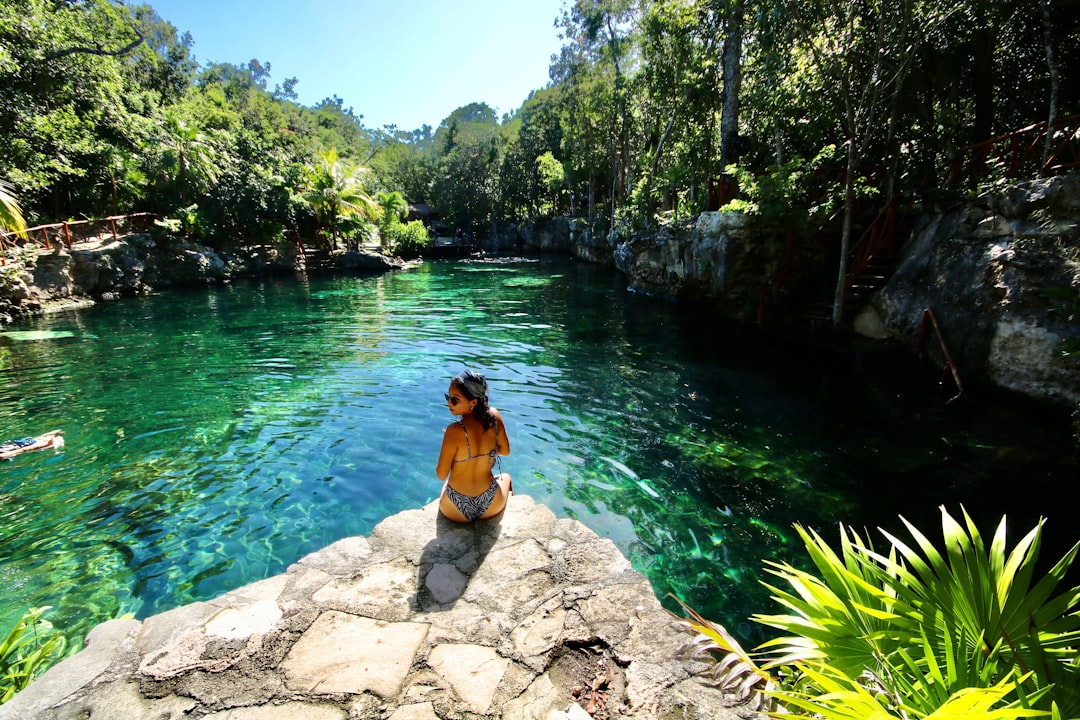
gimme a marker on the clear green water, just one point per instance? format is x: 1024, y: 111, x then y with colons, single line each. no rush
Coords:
x: 216, y: 436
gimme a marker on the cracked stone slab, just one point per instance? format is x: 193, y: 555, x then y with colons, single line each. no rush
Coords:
x: 381, y: 591
x: 540, y: 700
x: 541, y: 631
x: 344, y: 558
x: 416, y: 711
x: 445, y: 583
x: 342, y: 653
x: 235, y: 623
x: 164, y: 629
x: 473, y: 671
x: 288, y: 711
x: 268, y: 589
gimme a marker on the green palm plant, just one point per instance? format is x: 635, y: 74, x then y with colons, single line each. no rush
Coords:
x: 830, y: 695
x: 919, y: 633
x: 990, y: 597
x: 393, y: 207
x: 849, y: 615
x: 335, y: 192
x: 187, y: 157
x: 27, y: 650
x: 11, y: 218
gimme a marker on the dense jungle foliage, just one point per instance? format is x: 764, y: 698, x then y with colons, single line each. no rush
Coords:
x: 104, y: 110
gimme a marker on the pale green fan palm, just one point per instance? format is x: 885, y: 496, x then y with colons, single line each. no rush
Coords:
x: 394, y: 207
x: 926, y: 626
x: 336, y: 192
x: 187, y: 156
x: 834, y: 696
x: 849, y: 615
x: 11, y: 218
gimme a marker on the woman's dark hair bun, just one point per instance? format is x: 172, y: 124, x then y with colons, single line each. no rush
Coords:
x: 475, y: 385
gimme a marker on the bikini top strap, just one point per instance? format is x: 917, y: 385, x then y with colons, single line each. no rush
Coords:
x: 494, y: 454
x: 468, y: 444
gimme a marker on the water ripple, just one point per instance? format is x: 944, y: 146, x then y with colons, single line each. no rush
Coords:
x: 216, y: 436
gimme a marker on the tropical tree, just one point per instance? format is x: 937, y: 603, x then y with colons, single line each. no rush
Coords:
x: 602, y: 36
x: 335, y: 192
x: 393, y: 207
x: 187, y: 159
x: 553, y: 177
x: 533, y: 132
x: 469, y: 147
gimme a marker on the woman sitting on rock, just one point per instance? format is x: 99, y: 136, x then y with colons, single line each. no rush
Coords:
x: 471, y: 448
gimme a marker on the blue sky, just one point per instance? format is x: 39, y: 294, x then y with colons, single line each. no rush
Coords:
x: 403, y: 62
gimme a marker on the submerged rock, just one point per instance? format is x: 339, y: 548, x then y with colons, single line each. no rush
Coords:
x: 521, y: 617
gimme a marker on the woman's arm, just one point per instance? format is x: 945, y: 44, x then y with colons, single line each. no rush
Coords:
x: 450, y: 442
x: 504, y: 438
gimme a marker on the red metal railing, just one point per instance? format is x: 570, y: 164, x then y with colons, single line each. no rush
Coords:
x: 76, y: 231
x: 878, y: 240
x: 1021, y: 152
x: 929, y: 320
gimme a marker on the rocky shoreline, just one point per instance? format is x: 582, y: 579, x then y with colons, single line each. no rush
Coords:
x: 105, y: 269
x: 521, y: 617
x: 1001, y: 273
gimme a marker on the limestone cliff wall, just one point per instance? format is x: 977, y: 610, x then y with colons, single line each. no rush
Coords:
x: 725, y: 258
x: 36, y: 280
x: 1001, y: 272
x: 1002, y: 276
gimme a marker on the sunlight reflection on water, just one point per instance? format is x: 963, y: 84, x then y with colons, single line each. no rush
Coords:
x: 217, y: 436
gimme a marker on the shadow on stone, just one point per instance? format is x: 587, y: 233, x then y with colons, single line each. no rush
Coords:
x: 450, y: 559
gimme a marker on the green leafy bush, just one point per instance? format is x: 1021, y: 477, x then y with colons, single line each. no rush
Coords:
x: 409, y: 239
x: 916, y: 632
x: 27, y: 651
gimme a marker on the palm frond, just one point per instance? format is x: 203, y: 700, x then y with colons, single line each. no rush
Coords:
x: 11, y: 217
x: 732, y: 669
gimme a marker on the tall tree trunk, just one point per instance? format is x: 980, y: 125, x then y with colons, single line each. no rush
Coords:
x: 845, y: 237
x: 779, y: 143
x: 732, y: 61
x: 983, y: 78
x: 1052, y: 65
x: 651, y: 179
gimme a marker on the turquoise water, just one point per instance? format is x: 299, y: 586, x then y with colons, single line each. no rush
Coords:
x: 216, y: 436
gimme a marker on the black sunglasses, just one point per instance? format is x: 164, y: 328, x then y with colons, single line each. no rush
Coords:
x: 452, y: 399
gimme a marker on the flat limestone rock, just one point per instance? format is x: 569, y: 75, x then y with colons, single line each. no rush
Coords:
x: 515, y: 618
x: 288, y: 711
x: 473, y: 671
x: 342, y: 653
x: 416, y: 711
x: 236, y: 623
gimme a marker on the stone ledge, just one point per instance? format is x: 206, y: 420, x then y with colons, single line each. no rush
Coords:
x: 519, y: 617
